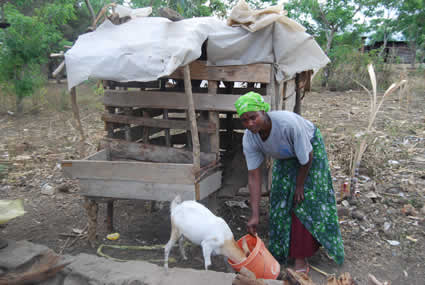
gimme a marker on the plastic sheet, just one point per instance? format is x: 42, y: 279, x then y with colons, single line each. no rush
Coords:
x: 10, y: 209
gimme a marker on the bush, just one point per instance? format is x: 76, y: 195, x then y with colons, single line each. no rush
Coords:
x: 349, y: 67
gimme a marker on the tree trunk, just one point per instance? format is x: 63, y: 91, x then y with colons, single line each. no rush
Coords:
x: 19, y: 104
x: 384, y: 46
x: 326, y: 69
x: 89, y: 6
x: 413, y: 49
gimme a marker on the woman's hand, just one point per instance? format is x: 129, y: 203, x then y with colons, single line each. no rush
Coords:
x: 299, y: 195
x: 252, y: 225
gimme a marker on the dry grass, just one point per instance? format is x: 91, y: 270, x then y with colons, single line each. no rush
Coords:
x: 52, y: 98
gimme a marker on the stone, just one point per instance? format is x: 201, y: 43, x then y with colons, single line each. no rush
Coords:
x: 378, y: 220
x: 343, y: 212
x: 18, y: 253
x: 47, y: 190
x: 86, y: 269
x: 359, y: 215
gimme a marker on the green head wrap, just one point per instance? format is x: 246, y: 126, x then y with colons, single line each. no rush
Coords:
x: 249, y: 102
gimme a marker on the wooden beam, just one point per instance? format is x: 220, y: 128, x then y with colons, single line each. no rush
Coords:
x: 152, y: 153
x: 132, y: 84
x: 135, y: 190
x: 192, y: 118
x: 171, y: 100
x: 259, y: 72
x: 123, y: 170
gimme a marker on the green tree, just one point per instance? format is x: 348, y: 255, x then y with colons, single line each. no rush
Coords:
x: 186, y: 8
x: 411, y: 22
x: 382, y: 26
x: 27, y: 43
x: 325, y: 20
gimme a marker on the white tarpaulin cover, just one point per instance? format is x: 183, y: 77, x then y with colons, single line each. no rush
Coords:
x: 147, y: 48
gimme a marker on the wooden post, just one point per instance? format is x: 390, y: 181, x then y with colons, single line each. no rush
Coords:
x: 110, y: 216
x: 146, y: 129
x: 128, y: 111
x: 214, y: 118
x: 76, y: 113
x: 271, y: 91
x: 109, y: 127
x: 297, y: 108
x: 229, y: 130
x: 167, y: 131
x: 204, y: 137
x: 283, y: 104
x: 91, y: 209
x: 192, y: 119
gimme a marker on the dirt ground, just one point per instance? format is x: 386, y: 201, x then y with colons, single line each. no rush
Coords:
x: 383, y: 228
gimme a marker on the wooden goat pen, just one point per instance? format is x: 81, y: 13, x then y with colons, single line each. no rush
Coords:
x: 152, y: 150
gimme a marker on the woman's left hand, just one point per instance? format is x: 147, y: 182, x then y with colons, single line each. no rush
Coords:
x: 299, y: 195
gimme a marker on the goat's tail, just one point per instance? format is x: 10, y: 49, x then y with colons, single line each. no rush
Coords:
x: 175, y: 202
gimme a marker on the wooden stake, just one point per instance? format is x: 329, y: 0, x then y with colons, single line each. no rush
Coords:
x: 192, y: 118
x: 91, y: 209
x: 297, y: 108
x: 76, y: 113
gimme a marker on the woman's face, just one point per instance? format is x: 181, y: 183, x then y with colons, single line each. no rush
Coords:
x: 253, y: 121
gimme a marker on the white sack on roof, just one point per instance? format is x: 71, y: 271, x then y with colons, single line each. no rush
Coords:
x: 254, y: 20
x: 145, y: 49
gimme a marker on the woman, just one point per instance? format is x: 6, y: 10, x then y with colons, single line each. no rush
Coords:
x: 302, y: 201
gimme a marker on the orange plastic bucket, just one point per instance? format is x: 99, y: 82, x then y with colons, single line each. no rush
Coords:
x: 260, y: 261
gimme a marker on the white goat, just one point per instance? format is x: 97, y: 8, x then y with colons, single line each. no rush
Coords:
x: 199, y: 225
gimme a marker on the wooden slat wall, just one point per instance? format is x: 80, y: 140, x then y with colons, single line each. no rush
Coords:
x: 206, y: 127
x: 127, y: 189
x: 154, y: 153
x: 259, y: 72
x: 137, y: 171
x: 171, y: 100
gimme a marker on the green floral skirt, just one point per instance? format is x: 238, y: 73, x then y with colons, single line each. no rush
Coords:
x: 318, y: 210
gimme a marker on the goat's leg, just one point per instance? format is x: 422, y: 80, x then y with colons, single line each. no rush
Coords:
x: 173, y: 238
x: 206, y: 251
x: 207, y: 248
x: 181, y: 246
